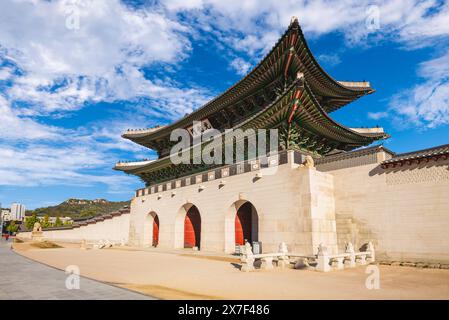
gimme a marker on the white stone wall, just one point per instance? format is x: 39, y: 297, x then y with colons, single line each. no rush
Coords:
x: 294, y: 205
x: 406, y: 209
x: 115, y: 229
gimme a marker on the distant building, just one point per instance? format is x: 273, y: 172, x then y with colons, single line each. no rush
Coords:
x: 53, y: 219
x: 5, y: 215
x: 17, y: 211
x: 83, y: 201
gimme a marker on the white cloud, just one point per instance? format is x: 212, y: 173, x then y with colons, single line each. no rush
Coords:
x: 377, y: 115
x: 33, y: 154
x: 240, y: 66
x: 5, y: 73
x: 427, y: 104
x: 15, y: 128
x: 329, y: 59
x: 54, y: 69
x: 62, y: 68
x: 254, y: 26
x: 39, y: 165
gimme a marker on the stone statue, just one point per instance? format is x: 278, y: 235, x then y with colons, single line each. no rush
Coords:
x: 308, y: 162
x: 37, y: 234
x: 322, y: 250
x: 283, y: 248
x: 37, y: 227
x: 349, y: 248
x: 248, y: 249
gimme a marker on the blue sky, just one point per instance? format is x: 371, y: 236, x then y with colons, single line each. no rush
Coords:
x: 75, y: 74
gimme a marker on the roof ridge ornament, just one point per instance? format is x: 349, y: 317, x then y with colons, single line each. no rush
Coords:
x: 293, y: 19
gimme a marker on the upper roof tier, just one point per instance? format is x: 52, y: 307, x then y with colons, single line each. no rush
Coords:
x: 260, y: 87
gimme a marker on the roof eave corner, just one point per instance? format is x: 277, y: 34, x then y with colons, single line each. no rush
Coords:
x: 294, y: 20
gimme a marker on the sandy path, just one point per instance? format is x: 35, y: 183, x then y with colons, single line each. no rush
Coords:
x: 174, y: 276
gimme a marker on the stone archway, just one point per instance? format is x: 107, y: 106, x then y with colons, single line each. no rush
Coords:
x: 246, y: 224
x: 188, y: 227
x: 241, y: 223
x: 151, y: 230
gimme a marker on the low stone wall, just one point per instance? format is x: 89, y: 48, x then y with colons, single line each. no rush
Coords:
x: 114, y: 229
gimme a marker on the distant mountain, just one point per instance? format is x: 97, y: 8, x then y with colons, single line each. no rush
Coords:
x: 79, y: 208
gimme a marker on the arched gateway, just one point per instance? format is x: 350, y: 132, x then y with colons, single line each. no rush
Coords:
x: 192, y: 228
x: 241, y: 223
x: 246, y: 224
x: 151, y: 229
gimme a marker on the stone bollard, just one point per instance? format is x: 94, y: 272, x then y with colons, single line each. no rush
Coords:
x: 323, y: 259
x: 283, y: 260
x: 83, y: 244
x: 267, y: 263
x: 350, y: 259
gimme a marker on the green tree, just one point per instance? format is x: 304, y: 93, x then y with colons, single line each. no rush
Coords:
x: 13, y: 227
x: 46, y: 223
x: 58, y: 222
x: 67, y: 223
x: 30, y: 221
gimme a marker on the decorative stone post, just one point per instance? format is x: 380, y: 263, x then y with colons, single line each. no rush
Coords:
x: 283, y: 260
x: 350, y: 261
x: 323, y: 259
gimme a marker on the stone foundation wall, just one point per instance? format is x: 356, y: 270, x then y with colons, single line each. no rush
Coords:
x: 294, y: 205
x: 115, y: 229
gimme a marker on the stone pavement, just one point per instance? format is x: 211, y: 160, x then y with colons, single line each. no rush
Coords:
x: 21, y: 278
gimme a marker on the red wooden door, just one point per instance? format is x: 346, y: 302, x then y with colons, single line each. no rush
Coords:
x: 155, y: 231
x: 243, y: 224
x: 238, y: 231
x: 189, y: 233
x: 192, y: 228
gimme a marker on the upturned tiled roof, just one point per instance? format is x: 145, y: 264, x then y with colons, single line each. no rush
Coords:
x: 420, y: 154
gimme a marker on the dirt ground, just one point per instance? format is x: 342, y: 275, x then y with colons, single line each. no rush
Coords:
x: 169, y: 275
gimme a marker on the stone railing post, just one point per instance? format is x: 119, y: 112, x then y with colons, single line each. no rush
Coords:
x: 337, y: 263
x: 283, y: 260
x: 361, y: 259
x: 372, y: 255
x: 323, y: 259
x: 350, y: 260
